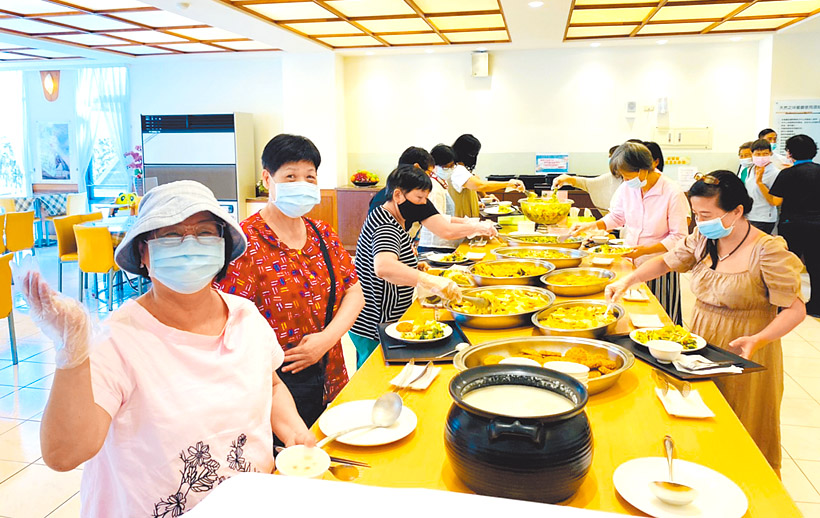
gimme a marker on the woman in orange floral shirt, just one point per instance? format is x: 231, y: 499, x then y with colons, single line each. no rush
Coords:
x: 299, y: 275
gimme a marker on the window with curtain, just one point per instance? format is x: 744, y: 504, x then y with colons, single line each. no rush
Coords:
x: 102, y: 110
x: 12, y: 131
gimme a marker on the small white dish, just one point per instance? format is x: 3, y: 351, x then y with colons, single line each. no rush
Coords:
x: 599, y: 240
x: 646, y: 320
x: 301, y: 461
x: 576, y: 370
x: 394, y: 333
x: 505, y: 203
x: 664, y: 351
x: 519, y: 360
x: 718, y: 496
x: 358, y: 413
x: 617, y: 242
x: 635, y: 295
x: 603, y: 261
x: 488, y: 200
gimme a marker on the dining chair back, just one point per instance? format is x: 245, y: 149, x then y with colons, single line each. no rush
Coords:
x: 20, y: 231
x: 92, y: 216
x: 6, y: 305
x: 3, y: 233
x: 66, y: 243
x: 7, y: 204
x: 76, y: 204
x: 95, y: 254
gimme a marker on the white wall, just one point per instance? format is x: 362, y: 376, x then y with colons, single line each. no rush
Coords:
x: 571, y: 99
x: 796, y: 63
x: 198, y: 86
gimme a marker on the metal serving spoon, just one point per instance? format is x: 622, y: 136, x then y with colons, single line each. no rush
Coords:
x: 386, y: 411
x: 673, y: 493
x: 460, y: 347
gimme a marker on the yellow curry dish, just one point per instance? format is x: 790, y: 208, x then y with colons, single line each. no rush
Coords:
x: 576, y: 279
x: 504, y: 302
x: 535, y: 253
x: 509, y: 269
x: 578, y: 317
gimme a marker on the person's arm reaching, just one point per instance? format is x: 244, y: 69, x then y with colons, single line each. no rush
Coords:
x: 458, y: 228
x: 284, y: 418
x: 785, y: 321
x: 651, y: 269
x: 479, y: 184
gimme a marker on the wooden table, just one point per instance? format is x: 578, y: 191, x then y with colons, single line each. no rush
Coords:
x: 628, y: 422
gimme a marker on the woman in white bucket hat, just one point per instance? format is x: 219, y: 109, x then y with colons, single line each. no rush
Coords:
x: 167, y: 401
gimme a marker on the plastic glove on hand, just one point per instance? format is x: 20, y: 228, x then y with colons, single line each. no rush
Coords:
x: 441, y: 286
x: 62, y: 319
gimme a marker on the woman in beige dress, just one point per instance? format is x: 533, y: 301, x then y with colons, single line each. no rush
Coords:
x: 747, y: 286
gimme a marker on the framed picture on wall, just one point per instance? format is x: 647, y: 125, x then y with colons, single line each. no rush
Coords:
x: 54, y: 151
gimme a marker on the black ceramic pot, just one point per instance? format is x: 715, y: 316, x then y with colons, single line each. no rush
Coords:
x: 542, y: 459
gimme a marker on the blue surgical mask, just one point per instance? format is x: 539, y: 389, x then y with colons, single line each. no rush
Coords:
x: 295, y: 199
x: 444, y: 173
x: 714, y: 229
x: 746, y: 162
x: 774, y: 146
x: 186, y: 267
x: 635, y: 183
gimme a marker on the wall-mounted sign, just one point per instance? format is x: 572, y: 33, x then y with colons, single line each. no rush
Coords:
x: 795, y: 118
x: 552, y: 163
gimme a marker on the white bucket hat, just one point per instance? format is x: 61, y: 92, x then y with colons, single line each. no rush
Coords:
x: 171, y: 204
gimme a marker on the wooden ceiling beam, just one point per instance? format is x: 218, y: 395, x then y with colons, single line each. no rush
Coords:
x: 648, y: 17
x: 429, y: 23
x: 323, y: 4
x: 729, y: 16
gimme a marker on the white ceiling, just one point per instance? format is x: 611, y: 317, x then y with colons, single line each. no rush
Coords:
x: 530, y: 28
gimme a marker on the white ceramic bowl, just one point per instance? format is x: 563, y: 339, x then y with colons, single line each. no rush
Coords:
x: 505, y: 204
x: 576, y: 370
x: 301, y: 461
x: 664, y: 351
x: 518, y: 360
x: 487, y: 200
x: 599, y: 240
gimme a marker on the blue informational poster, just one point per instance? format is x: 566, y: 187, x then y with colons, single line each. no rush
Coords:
x: 552, y: 163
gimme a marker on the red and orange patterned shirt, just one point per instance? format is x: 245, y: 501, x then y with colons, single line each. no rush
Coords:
x: 291, y: 287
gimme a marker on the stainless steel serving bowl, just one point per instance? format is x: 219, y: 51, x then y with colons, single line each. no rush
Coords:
x: 527, y: 280
x: 521, y: 240
x: 574, y: 259
x: 499, y: 321
x: 474, y: 356
x: 590, y: 332
x: 567, y: 290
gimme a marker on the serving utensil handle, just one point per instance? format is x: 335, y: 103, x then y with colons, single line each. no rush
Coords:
x: 669, y: 446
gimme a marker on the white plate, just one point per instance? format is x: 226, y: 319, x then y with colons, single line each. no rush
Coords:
x: 718, y: 497
x: 597, y: 251
x: 700, y: 343
x: 357, y: 413
x: 393, y: 333
x: 496, y: 212
x: 436, y: 257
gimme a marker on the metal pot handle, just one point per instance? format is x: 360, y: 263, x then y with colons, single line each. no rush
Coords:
x: 532, y: 432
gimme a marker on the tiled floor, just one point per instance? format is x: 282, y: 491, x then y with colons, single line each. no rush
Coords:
x: 30, y: 489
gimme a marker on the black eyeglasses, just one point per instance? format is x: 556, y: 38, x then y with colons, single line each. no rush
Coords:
x: 707, y: 178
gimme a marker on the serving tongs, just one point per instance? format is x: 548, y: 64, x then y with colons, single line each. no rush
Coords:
x: 479, y: 302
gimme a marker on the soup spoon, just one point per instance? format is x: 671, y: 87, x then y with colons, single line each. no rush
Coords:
x: 344, y: 472
x: 386, y: 411
x: 673, y: 493
x: 460, y: 347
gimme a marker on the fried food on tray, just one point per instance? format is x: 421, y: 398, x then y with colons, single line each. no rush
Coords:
x: 599, y: 364
x: 504, y: 302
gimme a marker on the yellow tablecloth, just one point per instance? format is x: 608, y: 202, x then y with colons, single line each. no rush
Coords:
x: 628, y: 421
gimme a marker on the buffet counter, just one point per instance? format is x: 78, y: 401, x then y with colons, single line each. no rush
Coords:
x: 628, y: 421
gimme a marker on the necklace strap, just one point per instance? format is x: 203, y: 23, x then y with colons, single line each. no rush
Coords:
x: 748, y: 230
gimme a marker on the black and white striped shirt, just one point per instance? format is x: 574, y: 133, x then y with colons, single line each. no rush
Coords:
x: 383, y: 302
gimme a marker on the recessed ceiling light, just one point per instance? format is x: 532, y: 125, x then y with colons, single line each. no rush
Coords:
x: 662, y: 42
x: 369, y: 53
x: 481, y: 49
x: 429, y: 51
x: 595, y: 44
x: 535, y: 4
x: 736, y: 38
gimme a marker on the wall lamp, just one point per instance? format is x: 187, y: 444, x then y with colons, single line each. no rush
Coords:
x: 51, y: 84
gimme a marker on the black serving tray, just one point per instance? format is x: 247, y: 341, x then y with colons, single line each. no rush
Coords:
x: 397, y: 351
x: 710, y: 352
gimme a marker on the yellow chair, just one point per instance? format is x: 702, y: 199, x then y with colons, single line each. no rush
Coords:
x: 2, y: 233
x: 6, y: 305
x: 20, y: 231
x: 95, y: 254
x: 66, y: 243
x: 7, y: 204
x: 76, y: 204
x: 93, y: 216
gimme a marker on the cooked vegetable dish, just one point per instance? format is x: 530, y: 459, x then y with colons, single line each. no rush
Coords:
x: 576, y: 279
x: 511, y: 269
x: 546, y: 211
x: 455, y: 257
x: 504, y: 302
x: 672, y: 333
x: 533, y: 253
x: 578, y: 317
x: 429, y: 330
x: 545, y: 240
x: 612, y: 250
x: 599, y: 364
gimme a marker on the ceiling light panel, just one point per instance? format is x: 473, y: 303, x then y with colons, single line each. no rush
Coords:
x: 751, y: 25
x: 191, y: 47
x: 478, y: 36
x: 605, y: 2
x: 673, y: 28
x: 207, y: 33
x: 352, y: 41
x: 157, y: 19
x: 702, y: 11
x: 413, y: 39
x: 33, y: 7
x: 781, y: 7
x: 357, y: 8
x: 150, y: 37
x: 615, y: 15
x: 291, y: 11
x: 319, y: 28
x: 28, y: 26
x: 45, y: 53
x: 88, y: 40
x: 90, y: 22
x: 6, y: 56
x: 139, y: 50
x: 246, y: 45
x: 396, y: 25
x: 446, y: 23
x: 453, y: 6
x: 104, y: 5
x: 598, y: 32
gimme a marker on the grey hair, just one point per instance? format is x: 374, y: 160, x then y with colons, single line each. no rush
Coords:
x: 631, y: 157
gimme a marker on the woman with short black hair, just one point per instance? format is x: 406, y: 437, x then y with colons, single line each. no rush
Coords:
x: 748, y: 291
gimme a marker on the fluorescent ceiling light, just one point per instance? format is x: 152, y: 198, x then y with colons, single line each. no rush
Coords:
x: 662, y: 42
x: 595, y: 44
x: 736, y: 38
x: 535, y: 4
